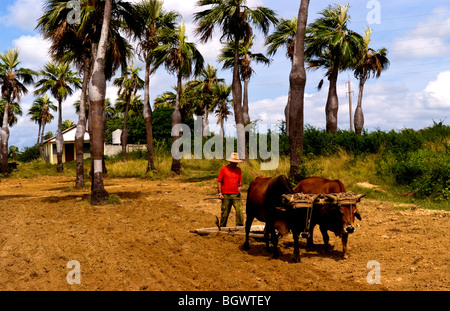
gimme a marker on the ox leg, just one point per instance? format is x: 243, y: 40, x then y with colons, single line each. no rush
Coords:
x: 274, y: 244
x: 326, y: 238
x: 310, y: 241
x: 248, y: 225
x: 269, y: 231
x: 267, y: 238
x: 296, y: 257
x: 271, y: 235
x: 344, y: 245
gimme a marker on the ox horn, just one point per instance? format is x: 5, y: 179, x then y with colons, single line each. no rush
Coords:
x: 288, y: 198
x: 360, y: 196
x: 332, y: 197
x: 314, y: 198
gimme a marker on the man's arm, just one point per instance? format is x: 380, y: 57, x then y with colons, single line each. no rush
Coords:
x: 240, y: 181
x: 219, y: 189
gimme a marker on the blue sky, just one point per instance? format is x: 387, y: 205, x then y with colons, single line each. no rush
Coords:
x: 411, y: 94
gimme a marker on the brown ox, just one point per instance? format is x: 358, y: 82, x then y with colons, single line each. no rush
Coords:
x: 338, y: 218
x: 263, y: 197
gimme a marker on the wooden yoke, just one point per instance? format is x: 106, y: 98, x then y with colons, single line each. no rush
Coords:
x: 344, y: 198
x: 299, y: 200
x: 302, y: 200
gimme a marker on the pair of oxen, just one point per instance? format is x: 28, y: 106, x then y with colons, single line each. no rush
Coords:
x: 314, y: 201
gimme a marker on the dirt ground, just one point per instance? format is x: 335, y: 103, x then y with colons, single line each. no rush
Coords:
x: 144, y: 243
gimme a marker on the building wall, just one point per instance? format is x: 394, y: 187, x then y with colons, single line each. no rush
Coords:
x: 112, y: 150
x: 51, y: 157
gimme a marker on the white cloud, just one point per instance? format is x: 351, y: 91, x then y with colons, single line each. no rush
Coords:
x: 186, y: 7
x: 23, y: 14
x: 421, y: 47
x: 428, y: 39
x: 33, y: 51
x: 439, y: 90
x: 385, y: 105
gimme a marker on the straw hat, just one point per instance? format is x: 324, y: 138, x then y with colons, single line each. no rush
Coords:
x: 234, y: 157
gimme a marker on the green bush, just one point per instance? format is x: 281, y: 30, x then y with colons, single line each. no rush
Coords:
x: 29, y: 154
x: 424, y: 172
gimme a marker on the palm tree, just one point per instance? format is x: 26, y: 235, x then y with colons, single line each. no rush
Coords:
x: 40, y: 113
x: 371, y: 64
x: 182, y: 59
x: 202, y: 89
x: 136, y: 105
x: 14, y: 111
x: 297, y: 82
x: 167, y: 99
x: 78, y: 43
x: 128, y: 85
x: 236, y: 20
x: 188, y: 104
x: 284, y: 35
x: 61, y: 82
x: 331, y: 45
x: 14, y: 81
x: 97, y: 91
x: 222, y: 92
x: 246, y: 57
x: 151, y: 34
x: 67, y: 124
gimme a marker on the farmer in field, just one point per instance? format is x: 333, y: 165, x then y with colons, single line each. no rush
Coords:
x: 229, y: 186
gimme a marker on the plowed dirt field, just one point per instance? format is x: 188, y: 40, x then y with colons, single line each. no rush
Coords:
x: 142, y: 242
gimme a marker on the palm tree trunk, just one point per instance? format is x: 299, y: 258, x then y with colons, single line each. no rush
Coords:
x: 41, y: 137
x: 331, y: 109
x: 245, y: 113
x: 4, y: 137
x: 246, y: 118
x: 286, y: 113
x: 176, y: 119
x: 97, y: 91
x: 148, y: 120
x: 205, y: 122
x: 359, y: 116
x: 288, y: 105
x: 222, y: 130
x: 124, y: 135
x: 59, y: 140
x: 237, y: 101
x: 81, y: 128
x: 39, y: 133
x: 297, y: 80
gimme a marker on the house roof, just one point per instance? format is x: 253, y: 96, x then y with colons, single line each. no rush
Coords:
x: 68, y: 135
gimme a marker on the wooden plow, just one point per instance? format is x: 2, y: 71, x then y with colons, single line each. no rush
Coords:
x: 294, y: 201
x: 256, y: 231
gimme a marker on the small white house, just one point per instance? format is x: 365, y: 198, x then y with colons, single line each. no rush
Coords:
x: 69, y: 153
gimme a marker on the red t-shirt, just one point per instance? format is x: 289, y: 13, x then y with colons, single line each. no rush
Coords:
x: 230, y: 178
